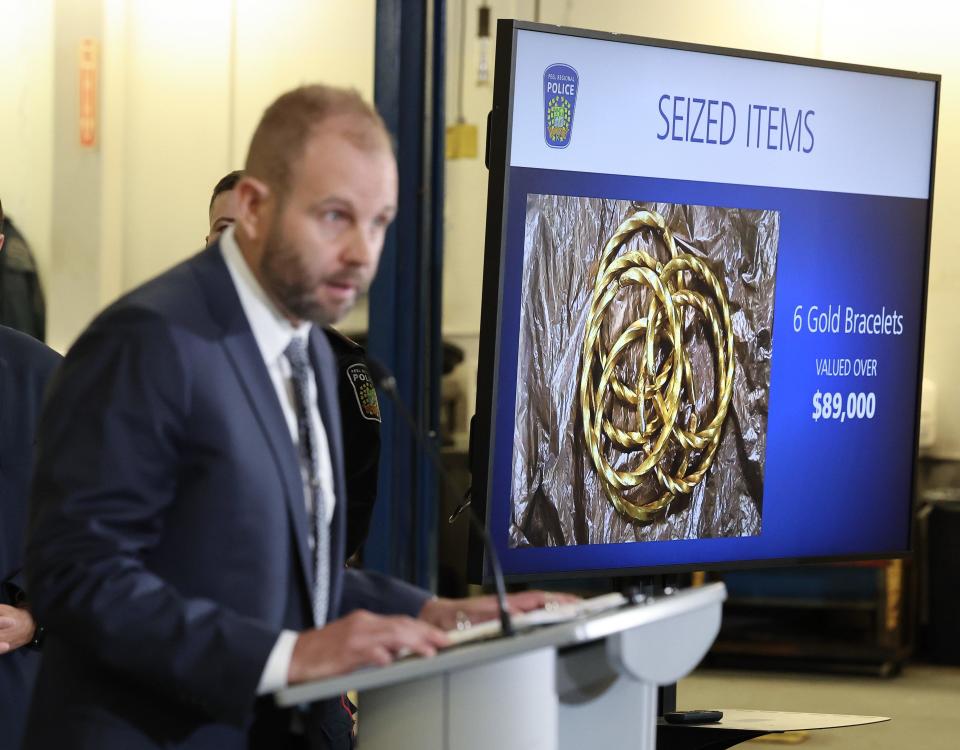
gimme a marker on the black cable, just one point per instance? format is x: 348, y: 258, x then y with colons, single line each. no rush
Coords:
x: 385, y: 379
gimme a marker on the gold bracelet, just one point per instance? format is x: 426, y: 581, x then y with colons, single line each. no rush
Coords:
x: 677, y: 450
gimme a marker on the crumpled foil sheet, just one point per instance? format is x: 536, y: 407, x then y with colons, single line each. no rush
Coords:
x: 556, y: 494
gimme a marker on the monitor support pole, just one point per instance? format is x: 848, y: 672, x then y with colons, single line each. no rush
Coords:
x: 656, y: 586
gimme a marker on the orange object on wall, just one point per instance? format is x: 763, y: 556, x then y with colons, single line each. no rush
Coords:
x: 89, y: 72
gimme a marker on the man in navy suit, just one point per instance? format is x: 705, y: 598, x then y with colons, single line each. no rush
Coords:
x: 25, y: 367
x: 359, y: 407
x: 186, y: 536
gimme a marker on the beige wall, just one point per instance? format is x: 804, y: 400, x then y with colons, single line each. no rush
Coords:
x: 26, y: 119
x: 182, y: 85
x: 922, y: 35
x: 199, y: 75
x: 175, y: 121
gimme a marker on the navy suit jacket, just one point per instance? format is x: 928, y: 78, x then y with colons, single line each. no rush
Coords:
x: 25, y: 368
x: 168, y: 541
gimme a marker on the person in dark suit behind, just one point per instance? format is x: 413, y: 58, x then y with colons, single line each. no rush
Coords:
x: 186, y: 535
x: 359, y: 408
x: 22, y: 306
x: 223, y: 208
x: 25, y: 368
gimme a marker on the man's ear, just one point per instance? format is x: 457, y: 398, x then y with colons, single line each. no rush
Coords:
x: 254, y: 201
x: 1, y: 243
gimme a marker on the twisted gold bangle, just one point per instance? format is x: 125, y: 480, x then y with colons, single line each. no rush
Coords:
x: 676, y: 450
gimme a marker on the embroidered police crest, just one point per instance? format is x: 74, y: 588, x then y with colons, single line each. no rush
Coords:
x: 364, y: 390
x: 560, y: 84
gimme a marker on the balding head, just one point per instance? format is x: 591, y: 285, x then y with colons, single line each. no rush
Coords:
x: 280, y: 138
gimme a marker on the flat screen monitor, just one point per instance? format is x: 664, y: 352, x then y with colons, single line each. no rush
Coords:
x: 703, y: 306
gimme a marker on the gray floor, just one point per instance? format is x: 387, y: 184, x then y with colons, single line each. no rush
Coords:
x: 924, y: 703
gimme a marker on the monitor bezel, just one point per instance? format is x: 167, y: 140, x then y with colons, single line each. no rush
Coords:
x: 482, y: 428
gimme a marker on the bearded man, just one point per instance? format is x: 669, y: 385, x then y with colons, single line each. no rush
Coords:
x: 187, y: 532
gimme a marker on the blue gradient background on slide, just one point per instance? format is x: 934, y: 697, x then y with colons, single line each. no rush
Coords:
x: 830, y: 488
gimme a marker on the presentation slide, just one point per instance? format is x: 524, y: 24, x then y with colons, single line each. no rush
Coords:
x: 711, y: 308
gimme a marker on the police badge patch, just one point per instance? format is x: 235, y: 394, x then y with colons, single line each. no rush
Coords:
x: 364, y: 390
x: 560, y: 85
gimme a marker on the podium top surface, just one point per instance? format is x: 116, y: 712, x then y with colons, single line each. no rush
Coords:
x: 564, y: 634
x: 779, y: 721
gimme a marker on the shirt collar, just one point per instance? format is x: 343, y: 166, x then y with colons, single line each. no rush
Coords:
x: 271, y: 329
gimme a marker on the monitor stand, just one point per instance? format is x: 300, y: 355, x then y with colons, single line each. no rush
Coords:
x: 655, y: 586
x: 666, y: 699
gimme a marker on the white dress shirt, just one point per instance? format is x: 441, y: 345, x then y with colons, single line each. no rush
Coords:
x: 273, y: 333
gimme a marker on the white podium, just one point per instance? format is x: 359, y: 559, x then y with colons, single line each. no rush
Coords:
x: 587, y: 683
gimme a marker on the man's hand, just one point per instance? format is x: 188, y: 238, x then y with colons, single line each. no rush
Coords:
x: 445, y: 613
x: 358, y: 640
x: 16, y: 628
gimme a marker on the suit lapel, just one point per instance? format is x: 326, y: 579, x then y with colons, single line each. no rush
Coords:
x: 4, y: 400
x: 247, y: 361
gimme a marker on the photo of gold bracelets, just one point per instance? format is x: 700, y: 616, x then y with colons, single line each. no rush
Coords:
x: 643, y: 361
x: 658, y: 444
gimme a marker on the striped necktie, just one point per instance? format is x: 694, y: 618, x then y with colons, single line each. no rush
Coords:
x: 296, y: 354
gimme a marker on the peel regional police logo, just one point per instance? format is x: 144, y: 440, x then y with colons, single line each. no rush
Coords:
x: 363, y: 389
x: 560, y: 85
